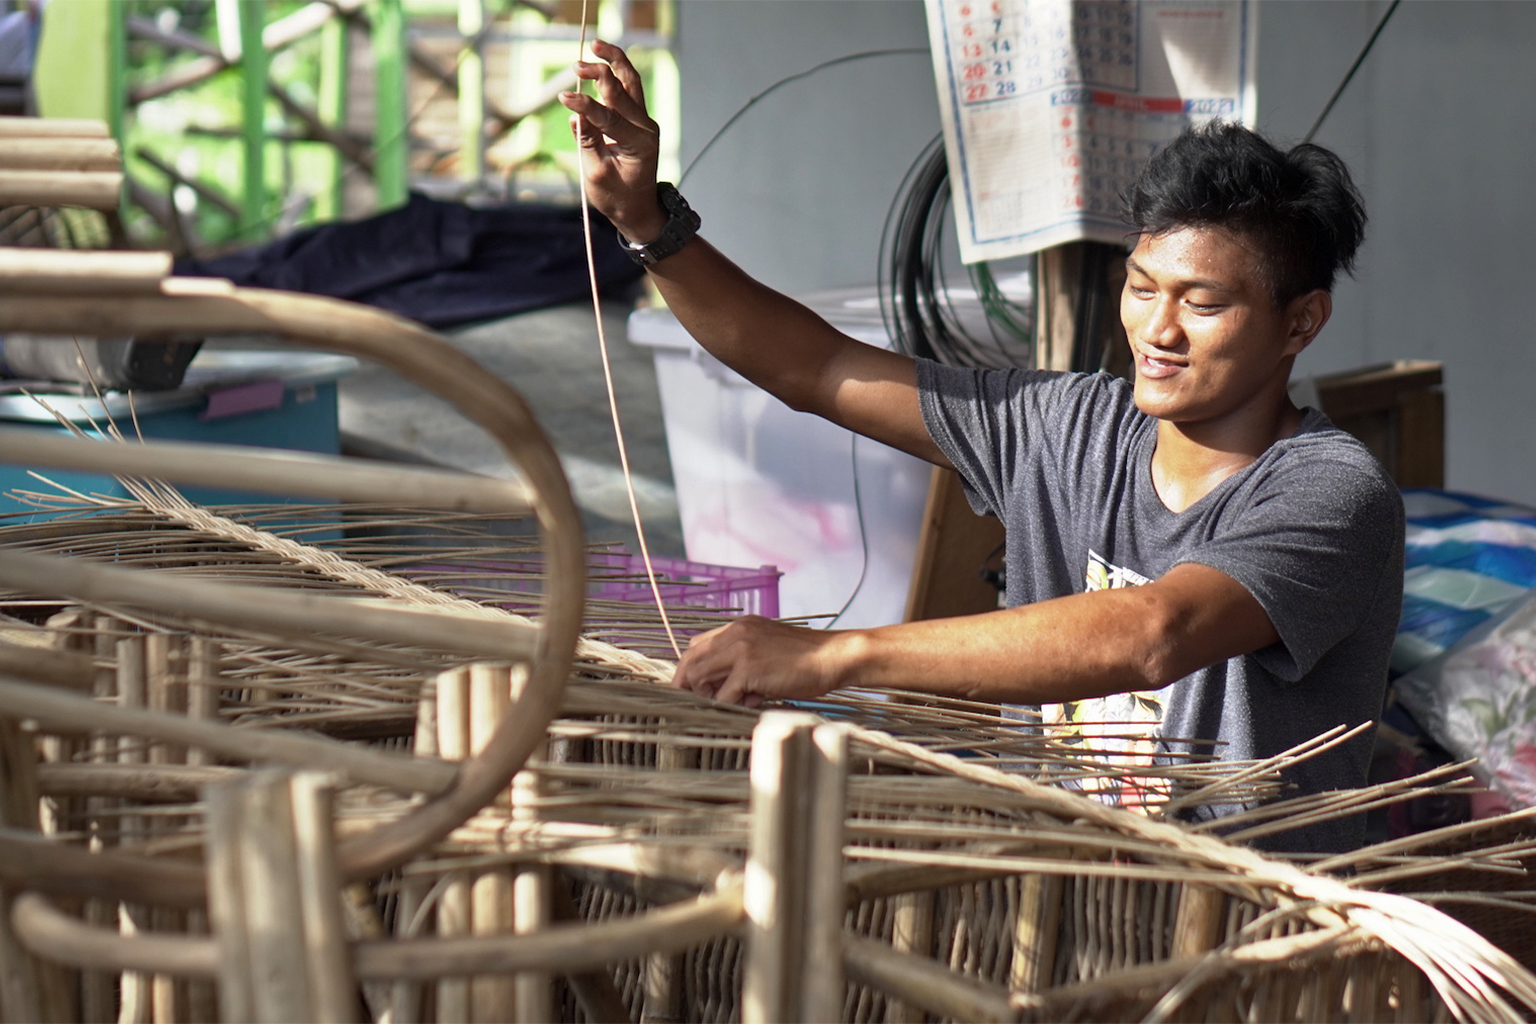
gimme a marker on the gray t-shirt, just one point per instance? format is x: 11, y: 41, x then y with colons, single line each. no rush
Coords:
x: 1313, y: 529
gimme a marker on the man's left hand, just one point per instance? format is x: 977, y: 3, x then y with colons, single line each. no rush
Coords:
x: 754, y: 659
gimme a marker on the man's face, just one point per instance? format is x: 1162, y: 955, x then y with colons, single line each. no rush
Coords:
x: 1205, y: 336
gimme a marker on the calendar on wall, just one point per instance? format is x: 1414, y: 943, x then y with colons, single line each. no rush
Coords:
x: 1051, y: 107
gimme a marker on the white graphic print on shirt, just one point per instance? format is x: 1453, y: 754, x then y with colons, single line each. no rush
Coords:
x: 1122, y: 727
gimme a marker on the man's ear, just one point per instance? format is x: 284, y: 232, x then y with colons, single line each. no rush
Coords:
x: 1306, y: 316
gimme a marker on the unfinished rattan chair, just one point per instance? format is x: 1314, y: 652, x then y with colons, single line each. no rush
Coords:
x: 560, y: 816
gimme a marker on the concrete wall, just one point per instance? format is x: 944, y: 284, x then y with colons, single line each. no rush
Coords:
x: 1437, y: 127
x: 797, y: 190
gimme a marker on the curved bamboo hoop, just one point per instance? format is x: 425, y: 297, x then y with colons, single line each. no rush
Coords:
x: 49, y: 932
x: 16, y: 127
x: 61, y: 154
x: 29, y: 861
x: 270, y: 470
x: 60, y: 271
x: 65, y: 713
x: 235, y: 605
x: 94, y: 190
x: 196, y: 306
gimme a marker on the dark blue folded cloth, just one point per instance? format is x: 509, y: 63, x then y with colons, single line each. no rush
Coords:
x: 442, y: 264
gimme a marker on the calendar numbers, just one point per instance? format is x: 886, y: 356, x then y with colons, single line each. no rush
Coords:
x: 1091, y: 41
x: 1054, y: 106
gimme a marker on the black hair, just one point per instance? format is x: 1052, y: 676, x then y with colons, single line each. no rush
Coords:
x: 1299, y: 206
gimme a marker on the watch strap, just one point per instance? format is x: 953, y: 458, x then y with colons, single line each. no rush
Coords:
x: 682, y: 224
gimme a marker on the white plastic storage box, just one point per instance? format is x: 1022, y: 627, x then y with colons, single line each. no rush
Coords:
x: 760, y: 484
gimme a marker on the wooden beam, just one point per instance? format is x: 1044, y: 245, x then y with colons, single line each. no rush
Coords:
x: 952, y: 546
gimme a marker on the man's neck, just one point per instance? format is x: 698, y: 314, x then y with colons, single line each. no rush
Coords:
x: 1191, y: 460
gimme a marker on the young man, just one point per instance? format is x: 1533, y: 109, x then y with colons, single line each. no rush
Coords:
x: 1189, y: 549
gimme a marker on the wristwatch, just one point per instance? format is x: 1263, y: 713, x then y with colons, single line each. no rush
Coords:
x: 682, y: 224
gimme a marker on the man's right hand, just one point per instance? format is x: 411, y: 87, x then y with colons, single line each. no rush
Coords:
x: 771, y: 340
x: 618, y: 143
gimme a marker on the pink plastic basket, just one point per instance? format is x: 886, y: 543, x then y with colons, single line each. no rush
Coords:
x: 620, y: 576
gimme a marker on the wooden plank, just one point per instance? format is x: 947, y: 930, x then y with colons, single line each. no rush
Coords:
x: 1421, y: 440
x: 1375, y: 388
x: 952, y: 546
x: 1397, y: 410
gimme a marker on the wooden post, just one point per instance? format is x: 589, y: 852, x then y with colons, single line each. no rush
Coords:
x: 951, y: 549
x: 20, y: 995
x: 1077, y: 308
x: 794, y: 880
x: 274, y: 898
x: 912, y: 933
x: 491, y: 997
x: 98, y: 989
x: 663, y: 1001
x: 1198, y: 926
x: 132, y: 692
x: 1035, y: 932
x: 454, y: 914
x: 531, y: 904
x: 326, y: 949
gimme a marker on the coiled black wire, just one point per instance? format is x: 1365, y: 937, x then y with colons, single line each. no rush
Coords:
x: 916, y: 300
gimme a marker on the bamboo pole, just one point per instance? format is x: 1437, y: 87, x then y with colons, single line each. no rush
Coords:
x: 60, y: 154
x: 136, y: 992
x: 60, y: 937
x: 1198, y: 924
x: 166, y: 685
x: 533, y: 996
x: 795, y: 892
x: 281, y: 982
x: 21, y: 998
x: 269, y: 470
x: 76, y: 714
x: 242, y: 606
x: 56, y: 935
x: 492, y: 1000
x: 912, y: 934
x: 27, y: 859
x: 405, y: 994
x: 52, y: 128
x: 924, y: 983
x: 1035, y: 932
x: 664, y: 992
x: 455, y: 910
x: 92, y: 190
x: 202, y: 682
x: 42, y: 665
x: 327, y: 953
x: 98, y: 989
x: 49, y: 271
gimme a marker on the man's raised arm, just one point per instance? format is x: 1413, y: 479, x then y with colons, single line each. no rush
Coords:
x: 770, y: 339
